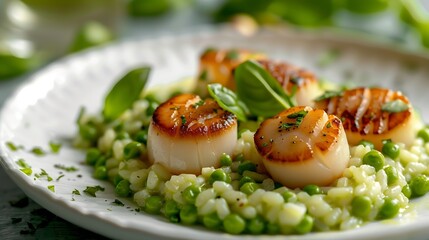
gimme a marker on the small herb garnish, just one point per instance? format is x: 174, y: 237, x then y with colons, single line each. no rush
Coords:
x: 25, y: 168
x: 298, y: 116
x: 183, y: 119
x: 55, y: 147
x: 37, y: 151
x: 13, y: 147
x: 59, y: 177
x: 125, y: 92
x: 395, y: 106
x: 67, y: 169
x: 43, y: 173
x: 329, y: 125
x: 228, y: 100
x: 91, y: 190
x: 76, y: 192
x: 328, y: 94
x: 118, y: 203
x: 52, y: 188
x: 261, y: 92
x: 198, y: 104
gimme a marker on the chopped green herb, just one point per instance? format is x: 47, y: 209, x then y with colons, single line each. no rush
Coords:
x: 59, y: 177
x: 91, y: 190
x: 52, y: 188
x: 37, y: 151
x: 118, y: 203
x: 328, y: 94
x: 43, y: 173
x: 233, y: 55
x: 67, y: 169
x: 198, y: 104
x: 299, y: 116
x: 25, y: 168
x: 13, y: 147
x: 329, y: 125
x: 395, y: 106
x: 183, y: 119
x: 76, y: 192
x: 55, y: 147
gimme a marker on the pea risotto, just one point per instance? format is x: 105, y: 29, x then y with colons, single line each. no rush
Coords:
x: 256, y: 146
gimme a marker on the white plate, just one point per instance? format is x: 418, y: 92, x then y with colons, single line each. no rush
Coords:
x: 45, y: 108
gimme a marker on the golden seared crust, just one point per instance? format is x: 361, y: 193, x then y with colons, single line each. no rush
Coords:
x: 188, y: 115
x: 267, y: 142
x: 217, y: 66
x: 360, y: 110
x: 329, y: 135
x: 288, y: 75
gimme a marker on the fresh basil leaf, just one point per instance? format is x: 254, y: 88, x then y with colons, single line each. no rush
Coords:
x: 328, y: 94
x: 125, y: 92
x: 228, y: 100
x: 395, y: 106
x: 261, y: 93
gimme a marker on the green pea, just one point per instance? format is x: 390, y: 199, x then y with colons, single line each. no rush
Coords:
x: 100, y: 173
x: 123, y: 188
x: 122, y: 135
x: 188, y: 214
x: 419, y: 185
x: 92, y: 156
x: 389, y: 209
x: 272, y: 228
x: 117, y: 179
x: 88, y: 132
x: 190, y: 194
x: 246, y: 166
x: 424, y: 134
x: 392, y: 175
x: 249, y: 187
x: 245, y: 179
x: 361, y: 206
x: 239, y: 158
x: 256, y: 225
x: 212, y: 221
x: 234, y: 224
x: 171, y: 208
x: 151, y: 108
x: 390, y: 149
x: 312, y: 189
x: 132, y: 150
x: 305, y: 226
x: 141, y: 137
x: 153, y: 204
x: 218, y: 175
x: 406, y: 190
x: 288, y: 195
x: 225, y: 160
x: 367, y: 144
x: 101, y: 161
x: 374, y: 158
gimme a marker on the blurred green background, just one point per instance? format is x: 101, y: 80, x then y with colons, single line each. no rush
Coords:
x: 35, y: 32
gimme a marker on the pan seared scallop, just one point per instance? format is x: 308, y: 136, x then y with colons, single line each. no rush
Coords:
x: 187, y: 133
x: 302, y: 146
x: 374, y: 114
x: 217, y: 66
x: 293, y: 79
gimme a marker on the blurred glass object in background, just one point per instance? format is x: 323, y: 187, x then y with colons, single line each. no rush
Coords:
x: 34, y: 31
